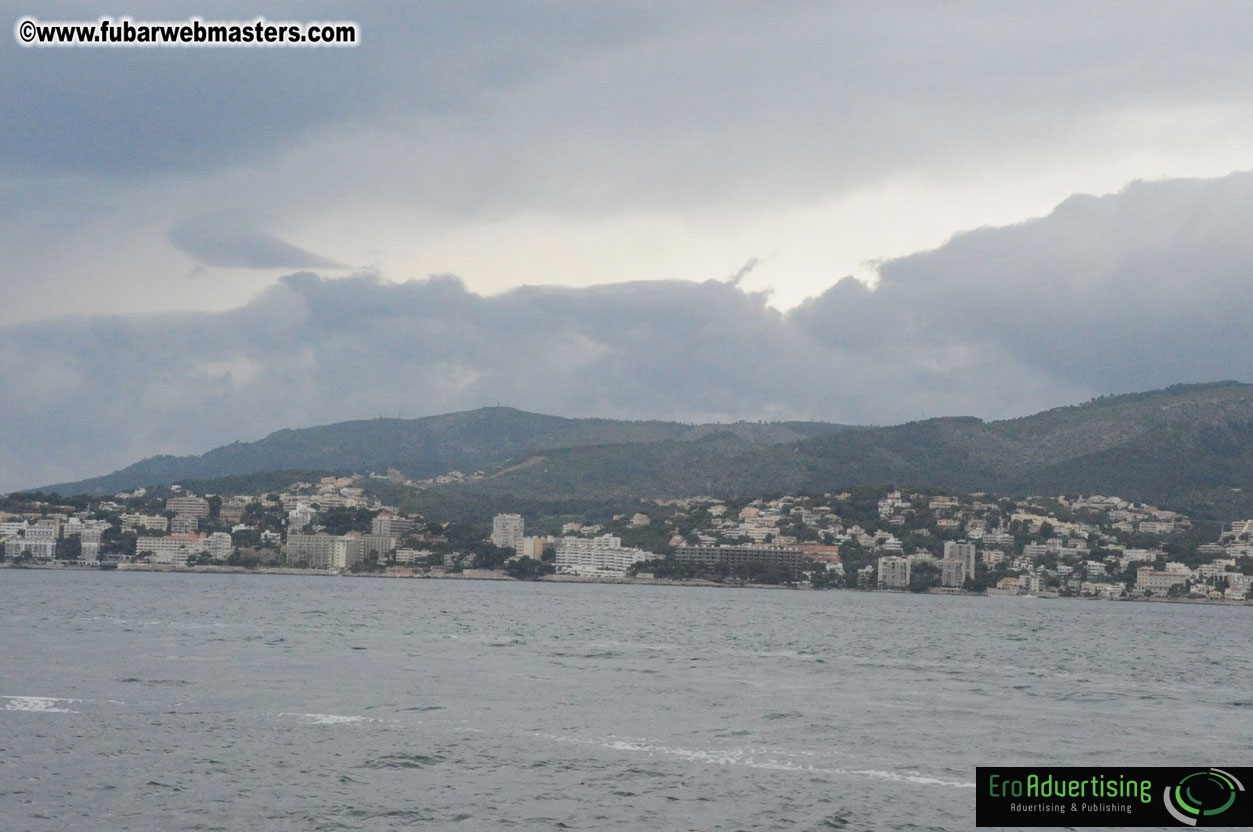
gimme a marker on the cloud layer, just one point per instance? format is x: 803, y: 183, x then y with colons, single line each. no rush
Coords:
x: 224, y: 241
x: 1138, y: 290
x: 573, y: 143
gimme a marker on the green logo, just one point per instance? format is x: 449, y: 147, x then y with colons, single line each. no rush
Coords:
x: 1202, y: 795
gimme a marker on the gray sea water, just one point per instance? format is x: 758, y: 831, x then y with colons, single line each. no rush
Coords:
x: 150, y: 701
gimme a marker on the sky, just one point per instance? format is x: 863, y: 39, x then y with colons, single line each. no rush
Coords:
x: 854, y: 212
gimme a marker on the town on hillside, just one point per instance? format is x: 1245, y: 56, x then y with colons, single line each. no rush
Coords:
x: 869, y: 539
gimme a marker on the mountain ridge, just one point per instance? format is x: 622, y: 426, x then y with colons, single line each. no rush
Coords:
x: 1148, y: 445
x: 422, y: 447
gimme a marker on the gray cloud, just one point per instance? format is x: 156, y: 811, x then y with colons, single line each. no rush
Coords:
x: 1151, y: 287
x: 228, y: 243
x: 486, y: 101
x: 1140, y: 289
x: 454, y: 129
x: 142, y: 112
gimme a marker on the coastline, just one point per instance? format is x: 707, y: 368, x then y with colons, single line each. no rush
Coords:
x: 499, y: 575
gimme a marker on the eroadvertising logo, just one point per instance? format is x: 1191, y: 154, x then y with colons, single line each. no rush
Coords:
x: 1131, y: 796
x: 1204, y: 796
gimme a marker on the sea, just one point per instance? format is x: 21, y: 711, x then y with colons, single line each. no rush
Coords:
x: 167, y: 701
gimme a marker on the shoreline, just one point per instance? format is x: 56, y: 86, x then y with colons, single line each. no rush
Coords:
x: 499, y: 575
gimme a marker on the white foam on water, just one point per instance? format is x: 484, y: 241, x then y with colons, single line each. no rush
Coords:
x: 38, y: 704
x: 330, y: 719
x: 758, y: 759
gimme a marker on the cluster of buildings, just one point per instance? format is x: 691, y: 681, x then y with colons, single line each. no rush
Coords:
x: 314, y: 548
x: 1095, y: 545
x: 394, y: 476
x: 587, y: 554
x: 958, y: 565
x: 37, y: 536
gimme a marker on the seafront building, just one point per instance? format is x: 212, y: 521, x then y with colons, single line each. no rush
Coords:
x: 894, y: 572
x: 963, y: 551
x: 1150, y: 580
x: 507, y: 530
x: 39, y: 548
x: 324, y: 551
x: 174, y: 549
x: 603, y: 556
x: 736, y: 557
x: 953, y: 572
x: 913, y: 541
x: 532, y: 547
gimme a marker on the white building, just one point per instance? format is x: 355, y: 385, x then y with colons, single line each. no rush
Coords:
x: 90, y: 538
x: 953, y: 572
x: 189, y: 504
x: 408, y: 557
x: 392, y: 525
x: 175, y: 549
x: 324, y: 551
x: 894, y: 572
x: 39, y: 548
x: 507, y: 530
x: 1102, y: 590
x: 218, y: 545
x: 154, y: 522
x: 963, y: 551
x: 301, y: 517
x: 184, y: 523
x: 1159, y: 583
x: 43, y: 530
x: 599, y: 556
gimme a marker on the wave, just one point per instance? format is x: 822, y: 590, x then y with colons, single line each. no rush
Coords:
x: 39, y: 704
x: 330, y: 719
x: 759, y: 759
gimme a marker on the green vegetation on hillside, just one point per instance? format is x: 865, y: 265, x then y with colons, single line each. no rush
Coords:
x: 1182, y: 446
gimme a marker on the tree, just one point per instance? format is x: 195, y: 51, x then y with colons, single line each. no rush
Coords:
x: 119, y: 542
x: 528, y: 569
x: 490, y: 556
x: 981, y: 580
x: 338, y: 521
x: 368, y: 564
x: 923, y: 576
x: 71, y: 548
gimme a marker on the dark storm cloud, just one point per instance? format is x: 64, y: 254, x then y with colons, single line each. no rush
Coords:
x: 222, y: 241
x: 143, y: 112
x: 572, y: 103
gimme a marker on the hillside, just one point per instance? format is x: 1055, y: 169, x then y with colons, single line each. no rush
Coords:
x: 1164, y: 445
x: 1161, y: 445
x: 425, y: 447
